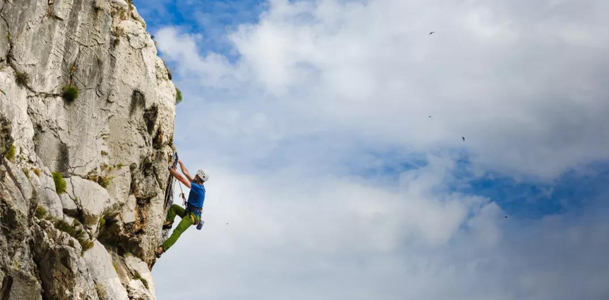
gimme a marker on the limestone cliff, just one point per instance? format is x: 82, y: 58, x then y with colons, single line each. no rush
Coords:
x: 86, y: 127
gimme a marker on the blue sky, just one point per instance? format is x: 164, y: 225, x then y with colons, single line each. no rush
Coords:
x: 211, y: 19
x: 332, y: 131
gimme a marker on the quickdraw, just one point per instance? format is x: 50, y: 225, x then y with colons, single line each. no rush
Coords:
x: 169, y: 189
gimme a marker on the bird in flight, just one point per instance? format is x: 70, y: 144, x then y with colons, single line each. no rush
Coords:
x: 429, y: 117
x: 432, y: 32
x: 463, y: 138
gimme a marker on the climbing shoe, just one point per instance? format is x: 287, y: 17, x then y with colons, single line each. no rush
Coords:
x: 167, y: 224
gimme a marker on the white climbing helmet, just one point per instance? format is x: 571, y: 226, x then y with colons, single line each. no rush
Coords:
x: 204, y: 176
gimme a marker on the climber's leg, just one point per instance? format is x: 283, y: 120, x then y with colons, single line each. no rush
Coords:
x: 171, y: 215
x: 184, y: 224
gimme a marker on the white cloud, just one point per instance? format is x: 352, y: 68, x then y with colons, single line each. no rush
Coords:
x: 278, y: 232
x: 341, y: 238
x: 320, y: 85
x: 528, y: 94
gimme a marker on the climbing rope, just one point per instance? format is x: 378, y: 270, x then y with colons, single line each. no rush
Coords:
x: 182, y: 194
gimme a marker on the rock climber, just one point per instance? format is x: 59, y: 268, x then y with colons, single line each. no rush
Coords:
x: 191, y: 215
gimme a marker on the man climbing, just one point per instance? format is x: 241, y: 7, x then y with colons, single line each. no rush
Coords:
x: 191, y: 215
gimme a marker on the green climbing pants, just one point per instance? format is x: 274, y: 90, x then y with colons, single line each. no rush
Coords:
x: 188, y: 219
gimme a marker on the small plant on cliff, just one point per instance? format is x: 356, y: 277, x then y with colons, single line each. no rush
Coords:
x: 92, y: 177
x: 22, y: 78
x: 60, y: 183
x: 76, y: 232
x: 15, y: 264
x: 37, y: 172
x: 101, y: 291
x: 137, y: 276
x: 66, y: 227
x: 91, y: 222
x: 86, y: 245
x: 119, y: 31
x: 102, y: 221
x: 40, y: 212
x: 70, y: 93
x: 10, y: 153
x: 105, y: 181
x: 178, y: 96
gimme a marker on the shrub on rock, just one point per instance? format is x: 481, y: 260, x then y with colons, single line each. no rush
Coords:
x: 70, y: 93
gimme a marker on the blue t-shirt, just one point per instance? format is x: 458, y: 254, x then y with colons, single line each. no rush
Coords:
x: 197, y: 195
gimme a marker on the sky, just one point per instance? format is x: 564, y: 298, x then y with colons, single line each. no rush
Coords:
x: 354, y: 155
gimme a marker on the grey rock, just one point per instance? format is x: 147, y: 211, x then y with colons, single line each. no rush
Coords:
x: 6, y: 140
x: 62, y: 8
x: 137, y: 266
x: 124, y: 114
x: 13, y: 107
x: 21, y: 285
x: 138, y: 291
x: 129, y: 210
x: 69, y: 206
x: 100, y: 264
x: 46, y: 194
x: 63, y: 271
x: 120, y: 185
x: 91, y: 197
x: 17, y: 186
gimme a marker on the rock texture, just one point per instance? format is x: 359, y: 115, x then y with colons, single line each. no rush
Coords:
x: 82, y: 180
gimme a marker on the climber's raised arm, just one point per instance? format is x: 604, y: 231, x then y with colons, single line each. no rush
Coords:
x: 184, y: 171
x: 174, y: 172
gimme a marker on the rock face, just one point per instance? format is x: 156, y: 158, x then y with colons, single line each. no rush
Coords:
x: 81, y: 180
